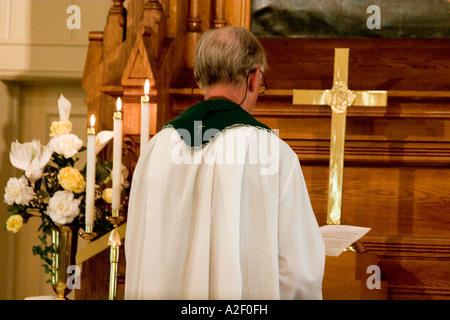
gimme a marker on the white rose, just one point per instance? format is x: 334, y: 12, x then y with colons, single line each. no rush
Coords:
x: 18, y: 191
x: 63, y: 208
x: 66, y: 144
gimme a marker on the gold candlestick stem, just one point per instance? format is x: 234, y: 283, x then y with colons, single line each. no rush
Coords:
x: 114, y: 260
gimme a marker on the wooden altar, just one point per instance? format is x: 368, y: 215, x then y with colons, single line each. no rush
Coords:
x: 397, y: 159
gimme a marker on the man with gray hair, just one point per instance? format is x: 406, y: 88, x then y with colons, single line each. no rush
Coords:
x: 218, y: 206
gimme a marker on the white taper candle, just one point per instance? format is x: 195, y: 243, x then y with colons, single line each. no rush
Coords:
x: 117, y: 159
x: 145, y: 116
x: 90, y: 176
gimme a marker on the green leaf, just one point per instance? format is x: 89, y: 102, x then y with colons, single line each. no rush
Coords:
x: 15, y: 208
x: 42, y: 193
x: 102, y: 171
x: 83, y: 171
x: 59, y: 160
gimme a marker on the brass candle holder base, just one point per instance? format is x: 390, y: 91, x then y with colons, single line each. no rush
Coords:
x: 115, y: 221
x: 88, y: 235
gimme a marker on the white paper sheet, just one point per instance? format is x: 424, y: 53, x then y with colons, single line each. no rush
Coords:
x: 338, y: 237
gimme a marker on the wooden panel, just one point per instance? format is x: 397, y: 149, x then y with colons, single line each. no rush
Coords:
x: 375, y: 64
x: 95, y: 277
x: 346, y: 278
x: 393, y: 201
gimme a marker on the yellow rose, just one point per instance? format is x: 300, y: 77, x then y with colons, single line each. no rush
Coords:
x: 71, y: 179
x: 60, y: 127
x: 107, y: 195
x: 14, y: 223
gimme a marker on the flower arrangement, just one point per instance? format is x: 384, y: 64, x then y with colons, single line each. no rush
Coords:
x: 51, y: 188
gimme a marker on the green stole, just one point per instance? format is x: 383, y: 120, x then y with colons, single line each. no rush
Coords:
x: 199, y: 124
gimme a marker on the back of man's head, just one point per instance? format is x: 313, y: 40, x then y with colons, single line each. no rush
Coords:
x: 226, y: 56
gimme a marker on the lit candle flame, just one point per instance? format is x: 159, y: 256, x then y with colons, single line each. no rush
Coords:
x: 147, y: 87
x: 92, y: 121
x: 119, y: 104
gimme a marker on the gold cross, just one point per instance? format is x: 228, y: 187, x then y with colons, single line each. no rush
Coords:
x: 339, y: 98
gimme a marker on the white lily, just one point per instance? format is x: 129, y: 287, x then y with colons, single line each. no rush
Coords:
x: 102, y: 138
x: 31, y: 157
x: 64, y: 107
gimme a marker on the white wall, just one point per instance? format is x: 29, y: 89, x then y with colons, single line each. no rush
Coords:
x: 36, y: 43
x: 40, y: 58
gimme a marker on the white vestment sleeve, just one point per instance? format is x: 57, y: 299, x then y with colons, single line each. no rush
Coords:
x: 136, y: 226
x: 301, y: 247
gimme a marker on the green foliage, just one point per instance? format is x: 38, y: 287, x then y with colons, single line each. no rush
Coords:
x: 103, y: 171
x: 45, y: 251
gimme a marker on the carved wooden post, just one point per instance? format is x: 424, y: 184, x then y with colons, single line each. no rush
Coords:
x: 116, y: 21
x: 194, y: 32
x: 194, y: 22
x: 219, y: 19
x: 153, y: 19
x: 113, y: 38
x: 104, y: 50
x: 92, y: 80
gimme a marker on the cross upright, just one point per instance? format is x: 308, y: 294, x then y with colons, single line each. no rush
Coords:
x: 339, y: 98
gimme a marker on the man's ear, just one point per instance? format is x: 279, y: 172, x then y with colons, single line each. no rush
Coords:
x: 253, y: 80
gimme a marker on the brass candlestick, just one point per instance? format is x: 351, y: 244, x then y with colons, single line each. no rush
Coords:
x: 114, y: 243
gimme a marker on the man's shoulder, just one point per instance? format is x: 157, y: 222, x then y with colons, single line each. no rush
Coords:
x: 163, y: 134
x: 162, y: 137
x: 267, y: 139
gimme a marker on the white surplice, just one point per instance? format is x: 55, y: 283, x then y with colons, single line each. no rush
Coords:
x: 230, y: 220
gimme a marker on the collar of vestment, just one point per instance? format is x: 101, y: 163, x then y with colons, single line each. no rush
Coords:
x: 202, y: 122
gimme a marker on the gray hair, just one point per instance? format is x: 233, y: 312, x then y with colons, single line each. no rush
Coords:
x: 226, y: 56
